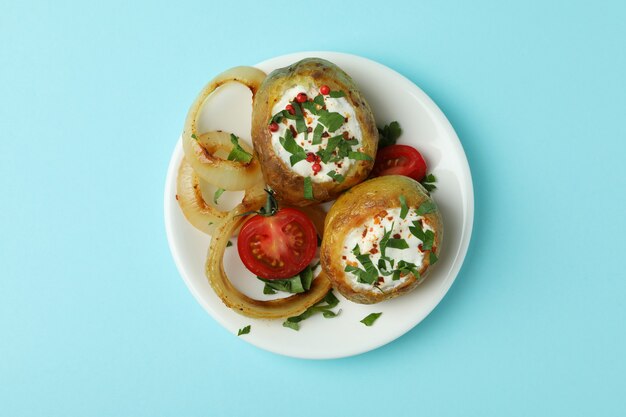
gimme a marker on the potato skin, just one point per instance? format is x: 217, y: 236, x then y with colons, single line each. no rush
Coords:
x: 289, y: 186
x: 352, y: 209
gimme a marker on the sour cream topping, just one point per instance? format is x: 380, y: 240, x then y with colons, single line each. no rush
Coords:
x: 305, y: 167
x: 368, y: 237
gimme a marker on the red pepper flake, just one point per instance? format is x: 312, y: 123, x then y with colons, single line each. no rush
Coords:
x: 390, y: 218
x: 310, y: 157
x: 316, y: 167
x: 290, y: 109
x: 381, y: 280
x: 273, y: 127
x: 345, y: 119
x: 364, y: 232
x: 301, y: 98
x: 373, y: 251
x: 325, y: 90
x: 420, y: 248
x: 176, y: 197
x: 325, y: 134
x: 397, y: 236
x: 309, y: 129
x: 293, y: 131
x: 344, y: 257
x: 345, y: 135
x: 382, y: 214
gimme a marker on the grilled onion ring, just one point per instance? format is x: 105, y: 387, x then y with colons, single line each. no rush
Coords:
x: 269, y: 309
x: 202, y: 215
x: 229, y: 175
x: 205, y: 160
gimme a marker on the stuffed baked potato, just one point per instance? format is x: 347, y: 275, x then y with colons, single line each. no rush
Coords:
x: 382, y: 238
x: 313, y: 132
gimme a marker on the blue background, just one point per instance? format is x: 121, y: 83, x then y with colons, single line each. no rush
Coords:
x: 94, y: 318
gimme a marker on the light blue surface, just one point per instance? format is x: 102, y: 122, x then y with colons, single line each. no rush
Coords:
x: 94, y: 319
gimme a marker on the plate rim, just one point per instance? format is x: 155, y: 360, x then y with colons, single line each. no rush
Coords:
x: 467, y: 199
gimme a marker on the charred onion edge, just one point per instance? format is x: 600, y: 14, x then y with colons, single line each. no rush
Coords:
x: 241, y: 303
x: 234, y: 175
x: 201, y: 214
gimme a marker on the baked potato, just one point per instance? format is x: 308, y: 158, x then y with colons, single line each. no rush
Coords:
x: 313, y: 132
x: 382, y: 237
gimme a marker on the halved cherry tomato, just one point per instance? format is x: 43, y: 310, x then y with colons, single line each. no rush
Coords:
x: 399, y: 160
x: 277, y: 246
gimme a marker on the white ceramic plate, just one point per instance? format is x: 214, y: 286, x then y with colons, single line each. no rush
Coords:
x: 391, y: 97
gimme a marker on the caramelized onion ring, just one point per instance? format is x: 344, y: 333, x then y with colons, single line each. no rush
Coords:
x: 229, y: 175
x: 202, y: 215
x: 270, y: 309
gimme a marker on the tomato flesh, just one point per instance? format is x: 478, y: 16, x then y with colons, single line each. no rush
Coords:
x: 278, y: 246
x: 400, y: 160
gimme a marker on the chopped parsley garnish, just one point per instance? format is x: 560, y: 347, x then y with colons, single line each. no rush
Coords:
x: 433, y: 258
x: 244, y: 330
x: 382, y: 263
x: 332, y: 120
x: 325, y: 307
x: 311, y: 107
x: 283, y: 114
x: 335, y: 176
x: 337, y: 148
x: 426, y: 207
x: 397, y: 244
x: 370, y: 319
x: 404, y: 209
x: 294, y: 285
x: 238, y: 153
x: 359, y: 156
x: 389, y: 134
x: 427, y: 237
x: 326, y: 153
x: 218, y: 194
x: 290, y: 145
x: 384, y: 240
x: 369, y: 274
x: 429, y: 182
x: 193, y: 136
x: 300, y: 123
x: 404, y: 268
x: 308, y: 189
x: 317, y: 134
x: 382, y: 267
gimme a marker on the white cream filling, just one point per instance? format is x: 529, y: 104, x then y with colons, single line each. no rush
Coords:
x: 369, y: 235
x: 304, y: 167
